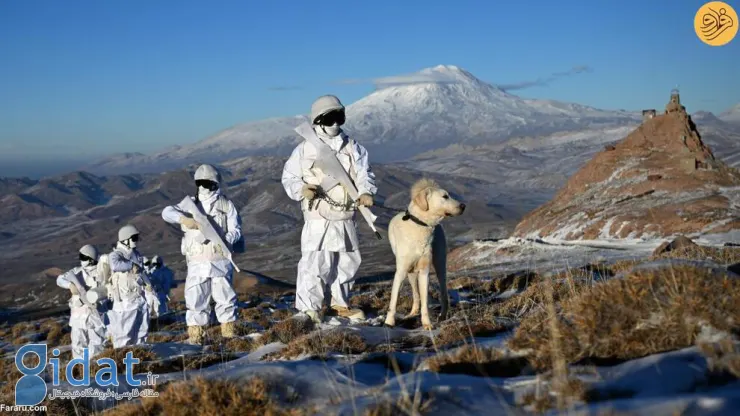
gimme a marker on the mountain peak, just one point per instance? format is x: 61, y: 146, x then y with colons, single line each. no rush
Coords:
x: 437, y: 75
x: 453, y: 73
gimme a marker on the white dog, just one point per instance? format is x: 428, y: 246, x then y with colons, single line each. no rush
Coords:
x: 418, y: 242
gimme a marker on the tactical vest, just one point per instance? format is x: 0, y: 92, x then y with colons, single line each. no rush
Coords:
x: 195, y: 251
x: 126, y: 286
x: 91, y: 281
x: 343, y: 207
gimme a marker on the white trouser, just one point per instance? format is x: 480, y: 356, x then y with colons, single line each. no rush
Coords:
x: 318, y: 269
x: 157, y: 303
x: 198, y: 294
x: 92, y: 338
x: 87, y: 332
x: 129, y: 322
x: 152, y: 301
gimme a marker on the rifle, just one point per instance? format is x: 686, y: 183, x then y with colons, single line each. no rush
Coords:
x: 327, y: 161
x: 209, y: 232
x: 74, y: 278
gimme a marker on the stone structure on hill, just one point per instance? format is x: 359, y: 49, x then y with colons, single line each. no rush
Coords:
x: 661, y: 180
x: 674, y: 105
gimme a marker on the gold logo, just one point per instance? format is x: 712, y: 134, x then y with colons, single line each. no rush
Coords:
x: 716, y: 23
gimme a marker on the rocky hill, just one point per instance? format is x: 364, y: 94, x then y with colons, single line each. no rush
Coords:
x: 661, y: 180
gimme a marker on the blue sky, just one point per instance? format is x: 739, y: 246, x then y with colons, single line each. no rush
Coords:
x: 82, y: 78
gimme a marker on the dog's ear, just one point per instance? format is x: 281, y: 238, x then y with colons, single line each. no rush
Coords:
x: 421, y: 200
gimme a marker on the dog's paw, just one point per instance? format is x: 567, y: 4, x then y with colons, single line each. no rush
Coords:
x: 390, y: 321
x: 426, y: 324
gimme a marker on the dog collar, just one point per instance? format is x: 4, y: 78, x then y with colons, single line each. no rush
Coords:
x: 407, y: 216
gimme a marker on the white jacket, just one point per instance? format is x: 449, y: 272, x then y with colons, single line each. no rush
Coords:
x: 300, y: 170
x: 79, y: 311
x: 126, y: 287
x: 206, y: 260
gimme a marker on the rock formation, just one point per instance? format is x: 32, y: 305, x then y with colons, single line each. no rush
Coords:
x: 659, y: 181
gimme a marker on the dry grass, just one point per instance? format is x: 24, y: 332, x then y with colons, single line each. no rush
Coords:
x: 407, y: 404
x: 463, y: 283
x: 21, y: 331
x: 405, y: 344
x: 722, y: 356
x: 454, y: 332
x: 647, y: 312
x: 213, y: 334
x: 287, y: 330
x: 322, y: 343
x: 376, y: 301
x: 257, y: 315
x: 384, y: 408
x: 239, y: 345
x: 5, y: 330
x: 174, y: 327
x: 9, y: 375
x: 532, y: 299
x: 722, y: 255
x: 473, y: 360
x: 282, y: 314
x: 159, y: 337
x: 66, y: 339
x: 189, y: 362
x: 54, y: 332
x: 553, y: 396
x: 202, y: 397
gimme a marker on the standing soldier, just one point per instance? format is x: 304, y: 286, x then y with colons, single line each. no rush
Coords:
x: 129, y: 316
x: 330, y: 254
x: 88, y: 328
x: 210, y: 271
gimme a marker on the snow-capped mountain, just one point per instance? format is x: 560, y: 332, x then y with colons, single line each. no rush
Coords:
x: 396, y: 122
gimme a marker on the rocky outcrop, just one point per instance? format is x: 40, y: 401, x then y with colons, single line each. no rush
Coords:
x: 661, y: 180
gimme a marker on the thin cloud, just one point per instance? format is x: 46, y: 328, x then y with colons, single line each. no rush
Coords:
x: 396, y: 80
x: 541, y: 82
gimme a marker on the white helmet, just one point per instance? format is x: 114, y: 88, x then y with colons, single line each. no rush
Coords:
x: 323, y: 105
x: 208, y: 173
x: 89, y: 251
x: 126, y: 232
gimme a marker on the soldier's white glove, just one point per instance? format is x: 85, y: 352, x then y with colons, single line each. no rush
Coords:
x: 365, y: 200
x: 309, y: 191
x: 149, y: 288
x: 190, y: 223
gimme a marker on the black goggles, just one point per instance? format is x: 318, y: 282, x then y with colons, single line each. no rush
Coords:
x: 134, y: 238
x: 210, y: 185
x: 331, y: 118
x: 147, y: 263
x: 85, y: 258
